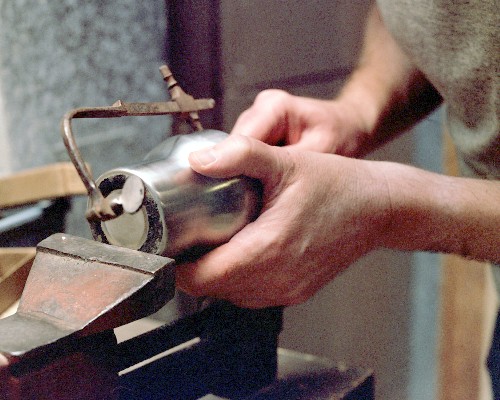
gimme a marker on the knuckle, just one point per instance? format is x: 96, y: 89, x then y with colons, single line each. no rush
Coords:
x: 265, y: 103
x: 193, y: 290
x: 294, y: 299
x: 246, y: 115
x: 241, y: 144
x: 272, y: 95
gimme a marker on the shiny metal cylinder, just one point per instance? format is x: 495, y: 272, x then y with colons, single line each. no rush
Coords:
x: 182, y: 213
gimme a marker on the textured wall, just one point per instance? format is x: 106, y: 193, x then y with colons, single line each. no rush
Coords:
x: 58, y: 55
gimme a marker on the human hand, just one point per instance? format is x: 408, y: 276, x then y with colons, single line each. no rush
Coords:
x: 321, y: 212
x: 325, y: 126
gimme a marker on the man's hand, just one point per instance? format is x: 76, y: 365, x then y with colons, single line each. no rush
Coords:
x: 325, y: 126
x: 321, y: 212
x: 384, y: 96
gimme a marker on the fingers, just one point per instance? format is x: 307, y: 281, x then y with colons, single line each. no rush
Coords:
x: 236, y: 271
x: 240, y: 155
x: 279, y: 118
x: 267, y: 119
x: 218, y: 273
x: 251, y: 286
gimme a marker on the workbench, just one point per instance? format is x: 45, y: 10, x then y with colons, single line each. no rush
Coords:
x: 222, y: 352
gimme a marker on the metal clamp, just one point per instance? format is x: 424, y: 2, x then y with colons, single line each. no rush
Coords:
x: 182, y: 103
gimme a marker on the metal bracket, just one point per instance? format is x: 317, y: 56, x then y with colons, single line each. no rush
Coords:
x: 182, y: 103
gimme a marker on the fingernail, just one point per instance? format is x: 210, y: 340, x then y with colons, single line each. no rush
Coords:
x: 205, y: 157
x: 3, y: 361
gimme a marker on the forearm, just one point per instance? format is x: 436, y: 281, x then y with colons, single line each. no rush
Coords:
x: 444, y: 214
x: 385, y: 94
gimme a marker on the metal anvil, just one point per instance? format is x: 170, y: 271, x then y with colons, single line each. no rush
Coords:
x: 79, y: 286
x: 60, y: 344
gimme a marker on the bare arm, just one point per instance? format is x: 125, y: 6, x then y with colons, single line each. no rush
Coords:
x: 383, y: 96
x: 324, y: 211
x: 442, y: 213
x: 386, y: 93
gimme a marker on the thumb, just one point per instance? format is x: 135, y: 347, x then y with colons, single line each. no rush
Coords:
x: 240, y: 155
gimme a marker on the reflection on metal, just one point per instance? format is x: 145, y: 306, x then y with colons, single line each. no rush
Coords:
x: 182, y: 103
x: 25, y: 215
x: 180, y: 210
x: 79, y: 286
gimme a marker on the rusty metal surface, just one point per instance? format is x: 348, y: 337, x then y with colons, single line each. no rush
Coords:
x: 81, y: 286
x: 182, y: 103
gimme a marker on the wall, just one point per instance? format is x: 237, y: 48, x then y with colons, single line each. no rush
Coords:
x: 55, y: 56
